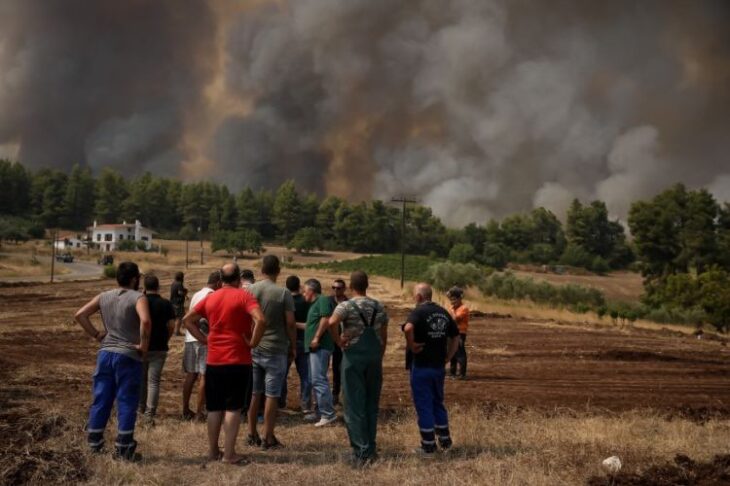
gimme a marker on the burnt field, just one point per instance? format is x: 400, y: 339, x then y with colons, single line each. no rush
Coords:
x: 547, y: 370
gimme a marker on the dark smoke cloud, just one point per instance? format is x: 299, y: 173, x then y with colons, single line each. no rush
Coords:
x: 479, y: 107
x: 102, y: 82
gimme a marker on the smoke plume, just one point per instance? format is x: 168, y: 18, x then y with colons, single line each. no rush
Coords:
x: 478, y: 107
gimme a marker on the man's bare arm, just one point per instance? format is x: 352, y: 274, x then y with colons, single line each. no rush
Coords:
x: 145, y: 324
x: 383, y: 338
x: 291, y: 330
x: 83, y: 316
x: 334, y: 330
x: 258, y: 328
x: 409, y: 330
x: 191, y: 321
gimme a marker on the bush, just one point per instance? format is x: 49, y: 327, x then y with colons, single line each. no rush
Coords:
x: 305, y: 240
x: 496, y: 255
x: 110, y: 271
x: 238, y: 242
x: 417, y: 266
x: 507, y: 286
x: 600, y: 266
x: 127, y: 245
x: 446, y: 275
x: 462, y: 253
x: 576, y: 256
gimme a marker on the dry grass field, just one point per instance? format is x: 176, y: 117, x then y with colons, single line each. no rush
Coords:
x: 547, y: 400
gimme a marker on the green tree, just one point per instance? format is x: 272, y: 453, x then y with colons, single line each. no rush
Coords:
x: 111, y: 193
x: 462, y: 253
x: 476, y: 236
x: 676, y: 231
x: 238, y: 242
x: 588, y: 227
x: 309, y: 209
x: 78, y: 202
x: 47, y: 194
x: 325, y: 219
x: 286, y: 214
x: 15, y: 182
x: 306, y: 240
x: 228, y: 211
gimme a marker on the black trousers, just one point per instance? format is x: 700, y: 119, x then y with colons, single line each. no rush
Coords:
x: 460, y: 357
x: 336, y: 373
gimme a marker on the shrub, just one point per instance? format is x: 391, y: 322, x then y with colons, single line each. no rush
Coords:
x: 496, y: 255
x: 509, y: 287
x: 600, y: 266
x: 576, y: 256
x: 305, y: 240
x: 446, y: 275
x: 110, y: 271
x: 462, y: 253
x: 127, y: 245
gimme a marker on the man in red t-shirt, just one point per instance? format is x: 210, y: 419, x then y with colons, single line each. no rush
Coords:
x: 229, y: 312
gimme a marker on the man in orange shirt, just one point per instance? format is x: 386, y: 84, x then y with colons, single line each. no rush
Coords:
x: 460, y: 313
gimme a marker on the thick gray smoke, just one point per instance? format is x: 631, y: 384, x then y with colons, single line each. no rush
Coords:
x: 479, y: 107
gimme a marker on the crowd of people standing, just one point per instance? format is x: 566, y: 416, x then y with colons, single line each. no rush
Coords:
x: 242, y: 338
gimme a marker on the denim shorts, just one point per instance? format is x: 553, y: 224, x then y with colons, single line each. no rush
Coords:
x: 269, y: 371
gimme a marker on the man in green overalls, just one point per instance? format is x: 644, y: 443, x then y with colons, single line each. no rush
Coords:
x: 361, y: 326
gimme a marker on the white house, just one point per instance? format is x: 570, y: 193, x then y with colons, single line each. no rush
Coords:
x: 70, y: 242
x: 108, y: 236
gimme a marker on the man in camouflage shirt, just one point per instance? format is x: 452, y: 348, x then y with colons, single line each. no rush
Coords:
x: 361, y: 327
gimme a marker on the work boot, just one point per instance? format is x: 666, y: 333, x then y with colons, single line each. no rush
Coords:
x: 127, y: 452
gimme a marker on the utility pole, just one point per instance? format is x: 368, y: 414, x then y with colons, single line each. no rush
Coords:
x: 187, y: 260
x: 200, y: 234
x: 54, y: 235
x: 404, y: 200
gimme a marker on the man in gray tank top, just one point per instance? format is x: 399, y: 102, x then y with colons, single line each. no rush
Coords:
x: 124, y: 341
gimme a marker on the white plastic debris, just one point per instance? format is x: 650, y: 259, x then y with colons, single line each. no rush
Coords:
x: 612, y: 465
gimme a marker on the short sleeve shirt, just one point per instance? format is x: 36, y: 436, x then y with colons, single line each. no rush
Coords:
x: 433, y: 325
x: 301, y: 309
x: 320, y: 308
x: 275, y: 302
x: 197, y: 299
x: 161, y: 312
x: 461, y: 316
x: 352, y: 313
x: 177, y: 293
x: 228, y: 312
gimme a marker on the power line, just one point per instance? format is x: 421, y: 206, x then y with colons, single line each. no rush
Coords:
x: 405, y: 200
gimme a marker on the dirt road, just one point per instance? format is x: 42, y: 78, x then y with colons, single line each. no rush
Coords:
x: 78, y: 270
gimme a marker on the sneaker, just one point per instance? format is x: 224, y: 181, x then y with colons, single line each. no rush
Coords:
x: 311, y: 417
x: 451, y: 377
x: 324, y: 422
x: 423, y: 453
x: 253, y: 440
x: 461, y: 377
x: 445, y: 445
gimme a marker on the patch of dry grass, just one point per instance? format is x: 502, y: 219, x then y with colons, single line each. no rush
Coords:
x: 507, y: 447
x: 22, y: 265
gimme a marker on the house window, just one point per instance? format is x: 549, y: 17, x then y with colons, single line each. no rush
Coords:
x: 144, y: 238
x: 108, y: 237
x: 121, y: 237
x: 129, y: 230
x: 98, y: 237
x: 131, y: 237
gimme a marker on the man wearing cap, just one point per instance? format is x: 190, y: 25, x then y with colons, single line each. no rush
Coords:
x: 460, y: 313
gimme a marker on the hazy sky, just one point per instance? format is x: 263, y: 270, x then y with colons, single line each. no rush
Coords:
x: 479, y: 107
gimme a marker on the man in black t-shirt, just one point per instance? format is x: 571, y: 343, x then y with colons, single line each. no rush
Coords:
x: 301, y: 307
x: 178, y: 294
x: 432, y: 338
x: 162, y: 315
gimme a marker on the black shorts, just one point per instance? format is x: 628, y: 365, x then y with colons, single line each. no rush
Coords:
x: 179, y: 310
x: 228, y: 387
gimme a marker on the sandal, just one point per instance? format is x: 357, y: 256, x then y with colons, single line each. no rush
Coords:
x: 253, y: 440
x: 272, y: 445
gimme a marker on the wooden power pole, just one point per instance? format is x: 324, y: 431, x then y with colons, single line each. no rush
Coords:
x: 404, y: 200
x: 54, y: 236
